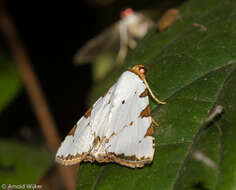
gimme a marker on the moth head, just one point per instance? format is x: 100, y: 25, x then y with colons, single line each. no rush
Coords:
x: 139, y: 70
x: 126, y: 12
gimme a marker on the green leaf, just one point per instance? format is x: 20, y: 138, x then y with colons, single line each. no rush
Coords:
x: 22, y: 164
x: 10, y: 84
x: 218, y: 144
x: 191, y: 66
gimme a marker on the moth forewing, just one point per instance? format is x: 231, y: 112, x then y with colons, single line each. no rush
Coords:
x: 118, y: 127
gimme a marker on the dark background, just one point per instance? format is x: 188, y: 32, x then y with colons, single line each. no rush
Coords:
x: 52, y: 32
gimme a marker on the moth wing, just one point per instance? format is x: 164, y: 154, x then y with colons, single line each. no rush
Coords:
x: 79, y: 143
x: 116, y: 129
x: 108, y: 40
x: 129, y: 138
x: 133, y: 148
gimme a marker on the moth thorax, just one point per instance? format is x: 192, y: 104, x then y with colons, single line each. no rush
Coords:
x: 138, y: 26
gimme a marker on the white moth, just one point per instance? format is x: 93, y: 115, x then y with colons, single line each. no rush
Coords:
x: 124, y: 33
x: 117, y: 128
x: 132, y: 26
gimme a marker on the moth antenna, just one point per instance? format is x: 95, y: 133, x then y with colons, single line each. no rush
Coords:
x: 154, y: 97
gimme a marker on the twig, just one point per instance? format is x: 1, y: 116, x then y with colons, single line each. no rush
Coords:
x: 34, y: 92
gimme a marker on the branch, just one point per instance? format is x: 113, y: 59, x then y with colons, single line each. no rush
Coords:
x: 34, y: 92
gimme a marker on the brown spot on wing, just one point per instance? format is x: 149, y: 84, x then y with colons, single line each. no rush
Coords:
x: 105, y: 94
x: 108, y: 139
x: 153, y: 144
x: 131, y: 123
x: 72, y: 131
x: 113, y: 134
x: 124, y: 157
x: 145, y: 112
x: 123, y: 101
x: 131, y: 161
x: 150, y: 131
x: 96, y: 141
x: 71, y: 159
x: 88, y: 113
x: 144, y: 93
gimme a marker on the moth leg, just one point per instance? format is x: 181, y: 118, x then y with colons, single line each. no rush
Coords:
x: 132, y: 43
x: 122, y: 54
x: 124, y: 38
x: 155, y: 123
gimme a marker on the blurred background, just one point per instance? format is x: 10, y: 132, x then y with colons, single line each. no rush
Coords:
x: 51, y: 33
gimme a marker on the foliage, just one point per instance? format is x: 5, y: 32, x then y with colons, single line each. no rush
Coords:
x: 22, y: 164
x: 192, y: 67
x: 9, y: 81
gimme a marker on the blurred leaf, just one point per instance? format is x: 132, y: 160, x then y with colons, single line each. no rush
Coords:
x: 192, y: 67
x: 9, y: 81
x: 22, y: 164
x: 102, y: 66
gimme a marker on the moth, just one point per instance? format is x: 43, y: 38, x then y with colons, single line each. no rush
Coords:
x: 117, y: 38
x: 167, y: 19
x: 117, y: 128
